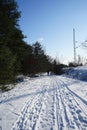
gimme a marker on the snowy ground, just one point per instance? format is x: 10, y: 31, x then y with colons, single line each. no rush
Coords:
x: 79, y: 73
x: 45, y: 103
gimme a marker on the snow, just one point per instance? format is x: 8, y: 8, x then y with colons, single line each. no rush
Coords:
x: 45, y: 103
x: 79, y: 73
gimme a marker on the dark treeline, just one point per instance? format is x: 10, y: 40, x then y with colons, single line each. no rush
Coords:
x: 16, y: 56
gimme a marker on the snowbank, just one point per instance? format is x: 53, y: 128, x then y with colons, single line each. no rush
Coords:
x: 79, y: 73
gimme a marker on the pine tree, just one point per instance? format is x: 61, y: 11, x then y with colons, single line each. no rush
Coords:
x: 9, y: 16
x: 7, y: 70
x: 9, y: 35
x: 40, y: 62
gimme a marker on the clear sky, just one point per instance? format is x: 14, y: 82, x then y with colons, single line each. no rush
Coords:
x: 52, y: 22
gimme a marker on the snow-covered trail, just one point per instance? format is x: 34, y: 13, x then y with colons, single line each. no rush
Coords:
x: 47, y: 103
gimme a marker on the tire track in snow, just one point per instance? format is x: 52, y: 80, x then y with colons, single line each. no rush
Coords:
x: 60, y: 110
x: 79, y: 117
x: 55, y: 108
x: 47, y: 117
x: 30, y: 114
x: 62, y: 116
x: 79, y: 101
x: 77, y: 98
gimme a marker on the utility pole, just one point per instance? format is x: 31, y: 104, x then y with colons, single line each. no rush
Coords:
x: 74, y: 45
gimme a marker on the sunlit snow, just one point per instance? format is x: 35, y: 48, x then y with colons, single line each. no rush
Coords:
x: 45, y: 103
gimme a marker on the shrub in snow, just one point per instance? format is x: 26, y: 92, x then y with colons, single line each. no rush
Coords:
x: 19, y: 78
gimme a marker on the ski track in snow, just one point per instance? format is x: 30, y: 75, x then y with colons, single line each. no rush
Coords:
x: 73, y: 112
x: 54, y: 107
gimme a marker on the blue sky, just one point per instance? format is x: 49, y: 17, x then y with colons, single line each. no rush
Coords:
x: 52, y: 23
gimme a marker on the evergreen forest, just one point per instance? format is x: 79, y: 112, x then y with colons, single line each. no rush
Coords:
x: 16, y: 56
